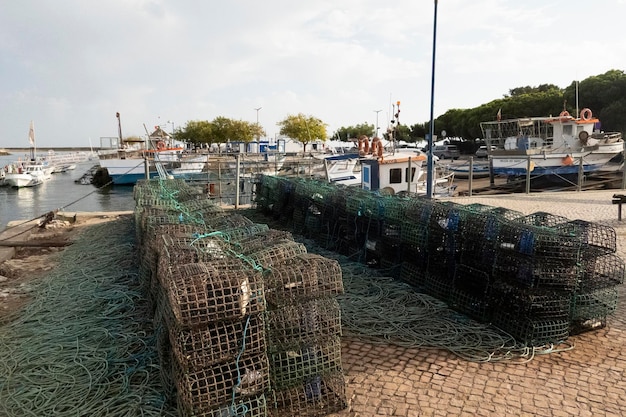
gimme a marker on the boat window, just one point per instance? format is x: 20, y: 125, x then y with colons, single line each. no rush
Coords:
x: 395, y: 175
x: 412, y: 174
x: 567, y: 130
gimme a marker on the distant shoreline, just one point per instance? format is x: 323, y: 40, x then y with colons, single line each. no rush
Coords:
x: 9, y: 151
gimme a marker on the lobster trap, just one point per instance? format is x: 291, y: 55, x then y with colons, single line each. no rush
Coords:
x: 296, y: 325
x: 305, y: 277
x: 199, y: 294
x: 206, y: 389
x: 318, y: 396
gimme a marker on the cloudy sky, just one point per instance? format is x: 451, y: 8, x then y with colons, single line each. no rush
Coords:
x: 70, y: 65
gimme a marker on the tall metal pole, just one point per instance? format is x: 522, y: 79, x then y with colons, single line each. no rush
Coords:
x: 377, y: 111
x: 430, y: 169
x: 258, y: 135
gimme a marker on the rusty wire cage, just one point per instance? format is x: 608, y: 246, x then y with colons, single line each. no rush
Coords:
x: 293, y: 367
x: 223, y: 341
x: 276, y: 255
x: 303, y: 324
x: 318, y: 396
x: 255, y: 406
x: 305, y: 277
x: 215, y: 386
x: 199, y: 294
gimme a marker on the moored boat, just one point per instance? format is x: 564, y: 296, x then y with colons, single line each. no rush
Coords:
x: 552, y: 146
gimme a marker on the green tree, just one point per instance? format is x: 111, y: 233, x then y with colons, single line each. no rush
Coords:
x: 352, y: 133
x: 196, y: 132
x: 304, y: 129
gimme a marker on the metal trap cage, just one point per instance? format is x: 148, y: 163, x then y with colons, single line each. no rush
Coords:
x: 255, y: 406
x: 274, y: 256
x: 318, y: 396
x: 529, y: 332
x: 293, y: 367
x: 303, y: 324
x: 594, y: 304
x: 206, y: 389
x: 535, y: 272
x: 199, y: 294
x: 217, y: 342
x: 259, y: 241
x: 597, y: 239
x: 305, y: 277
x: 601, y: 272
x: 542, y: 219
x: 531, y: 304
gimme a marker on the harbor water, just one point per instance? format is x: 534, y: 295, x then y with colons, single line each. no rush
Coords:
x: 60, y: 192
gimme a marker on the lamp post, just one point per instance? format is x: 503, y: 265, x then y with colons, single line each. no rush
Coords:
x: 377, y: 111
x: 258, y: 134
x: 429, y: 171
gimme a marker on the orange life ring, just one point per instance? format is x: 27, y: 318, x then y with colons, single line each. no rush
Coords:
x: 160, y: 145
x: 586, y: 114
x: 366, y: 145
x: 564, y: 113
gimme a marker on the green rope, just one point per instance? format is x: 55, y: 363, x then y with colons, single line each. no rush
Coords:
x: 83, y: 345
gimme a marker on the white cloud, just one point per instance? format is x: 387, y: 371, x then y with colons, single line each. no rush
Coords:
x: 71, y: 65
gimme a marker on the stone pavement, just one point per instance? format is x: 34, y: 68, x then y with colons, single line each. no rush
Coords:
x: 588, y: 380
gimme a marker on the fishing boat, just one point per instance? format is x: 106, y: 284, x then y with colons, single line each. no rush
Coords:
x: 558, y: 147
x: 129, y: 160
x: 392, y: 172
x: 31, y: 172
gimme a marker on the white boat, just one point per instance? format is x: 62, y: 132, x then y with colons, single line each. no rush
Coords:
x: 159, y: 156
x: 31, y: 172
x: 553, y: 146
x: 26, y: 174
x: 399, y: 172
x: 462, y: 168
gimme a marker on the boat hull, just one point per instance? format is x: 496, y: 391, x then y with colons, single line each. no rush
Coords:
x: 22, y: 180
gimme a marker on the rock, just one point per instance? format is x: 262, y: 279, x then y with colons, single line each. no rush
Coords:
x: 3, y: 278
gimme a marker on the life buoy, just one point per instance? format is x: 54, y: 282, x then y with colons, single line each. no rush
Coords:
x: 360, y: 145
x: 366, y: 145
x: 564, y: 113
x: 380, y: 149
x: 586, y: 114
x: 568, y: 160
x: 160, y: 145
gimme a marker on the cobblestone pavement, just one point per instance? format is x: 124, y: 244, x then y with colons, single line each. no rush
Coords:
x: 588, y: 380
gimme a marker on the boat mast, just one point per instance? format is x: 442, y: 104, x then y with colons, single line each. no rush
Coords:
x: 119, y: 129
x: 31, y: 139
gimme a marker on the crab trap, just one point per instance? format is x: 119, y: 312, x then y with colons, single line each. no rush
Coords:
x: 308, y: 323
x: 305, y: 277
x: 317, y: 396
x: 529, y: 332
x: 292, y: 367
x: 206, y: 389
x: 223, y: 341
x: 199, y: 294
x: 276, y: 255
x: 255, y: 406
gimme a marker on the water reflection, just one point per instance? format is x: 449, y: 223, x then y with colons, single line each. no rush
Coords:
x: 61, y: 192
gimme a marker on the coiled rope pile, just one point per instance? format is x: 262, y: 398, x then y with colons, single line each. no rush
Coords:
x: 84, y: 346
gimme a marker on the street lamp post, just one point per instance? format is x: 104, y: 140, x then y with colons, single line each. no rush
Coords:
x: 377, y: 111
x: 429, y: 171
x: 258, y: 134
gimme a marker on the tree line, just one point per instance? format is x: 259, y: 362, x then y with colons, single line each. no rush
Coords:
x: 604, y: 94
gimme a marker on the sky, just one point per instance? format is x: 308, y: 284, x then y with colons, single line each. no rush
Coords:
x: 71, y: 65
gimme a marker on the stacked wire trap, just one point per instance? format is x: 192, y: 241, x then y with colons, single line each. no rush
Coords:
x: 205, y: 271
x: 304, y: 329
x: 538, y: 277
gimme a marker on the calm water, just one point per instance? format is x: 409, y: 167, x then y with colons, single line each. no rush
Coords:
x: 60, y: 192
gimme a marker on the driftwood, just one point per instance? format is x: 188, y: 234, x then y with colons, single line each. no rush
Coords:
x: 35, y: 243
